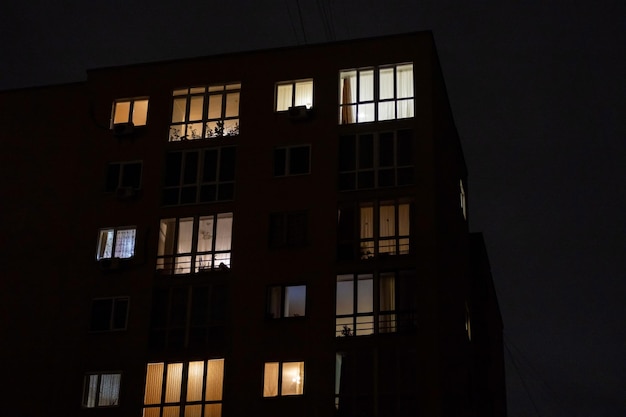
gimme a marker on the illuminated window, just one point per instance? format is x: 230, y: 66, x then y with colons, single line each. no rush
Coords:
x: 199, y: 176
x: 116, y: 242
x: 294, y: 93
x: 373, y: 230
x: 205, y: 112
x: 286, y: 301
x: 283, y: 378
x: 184, y: 389
x: 101, y: 390
x: 188, y: 317
x: 194, y: 244
x: 123, y: 175
x: 130, y: 111
x: 381, y: 302
x: 108, y: 314
x: 288, y: 229
x: 376, y: 160
x: 292, y: 160
x: 375, y: 94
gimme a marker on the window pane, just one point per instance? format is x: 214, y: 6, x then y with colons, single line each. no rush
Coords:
x: 366, y: 86
x: 195, y: 379
x: 345, y: 295
x: 112, y: 177
x: 304, y: 94
x: 270, y: 379
x: 121, y: 112
x: 365, y: 113
x: 91, y: 387
x: 140, y: 112
x: 190, y: 174
x: 295, y: 299
x: 227, y: 164
x: 125, y: 243
x: 347, y: 153
x: 185, y: 233
x: 274, y: 302
x: 101, y: 315
x: 173, y: 168
x: 387, y: 225
x: 404, y: 216
x: 405, y: 108
x: 167, y: 233
x: 179, y: 110
x: 213, y: 410
x: 214, y: 380
x: 209, y: 171
x: 215, y: 106
x: 365, y: 293
x: 299, y: 160
x: 174, y: 382
x: 283, y: 97
x: 366, y: 151
x: 367, y: 222
x: 386, y: 83
x: 120, y: 313
x: 405, y: 81
x: 105, y: 244
x: 205, y: 234
x: 193, y: 410
x: 292, y: 378
x: 348, y: 87
x: 195, y: 108
x: 224, y: 231
x: 232, y: 105
x: 171, y: 411
x: 131, y: 175
x: 154, y: 383
x: 109, y: 390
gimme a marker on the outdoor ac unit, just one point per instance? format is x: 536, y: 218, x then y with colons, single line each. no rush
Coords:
x: 298, y: 112
x: 125, y: 192
x: 123, y: 129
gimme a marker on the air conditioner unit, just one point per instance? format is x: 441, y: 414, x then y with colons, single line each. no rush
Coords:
x: 298, y: 112
x: 123, y: 129
x: 124, y: 193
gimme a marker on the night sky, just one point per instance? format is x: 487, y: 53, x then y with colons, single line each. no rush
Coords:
x: 538, y: 91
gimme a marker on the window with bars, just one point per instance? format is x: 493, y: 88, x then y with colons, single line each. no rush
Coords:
x: 199, y: 176
x: 374, y: 229
x: 184, y: 389
x: 376, y: 160
x: 376, y: 94
x: 205, y: 112
x: 195, y: 244
x: 372, y: 303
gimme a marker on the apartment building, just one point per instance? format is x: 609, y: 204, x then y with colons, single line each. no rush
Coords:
x: 269, y: 233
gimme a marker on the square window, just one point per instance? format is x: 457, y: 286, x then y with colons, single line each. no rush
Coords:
x: 132, y: 112
x: 283, y: 378
x: 288, y: 229
x: 294, y: 94
x: 117, y: 242
x: 101, y: 390
x: 108, y: 314
x: 292, y: 160
x: 123, y: 176
x: 286, y: 301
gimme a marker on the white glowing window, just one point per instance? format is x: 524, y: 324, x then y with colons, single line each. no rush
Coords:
x: 294, y: 93
x: 133, y: 111
x: 116, y: 243
x: 373, y: 94
x: 101, y: 390
x: 190, y: 388
x: 283, y: 378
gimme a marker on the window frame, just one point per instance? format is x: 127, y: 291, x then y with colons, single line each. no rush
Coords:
x: 352, y: 112
x: 112, y: 314
x: 294, y: 87
x: 286, y: 170
x: 87, y: 400
x: 277, y: 301
x: 193, y: 181
x: 120, y: 176
x: 180, y: 385
x: 180, y: 129
x: 279, y: 381
x: 130, y: 117
x: 195, y: 256
x: 100, y: 249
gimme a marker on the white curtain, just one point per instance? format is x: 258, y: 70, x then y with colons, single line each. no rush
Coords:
x: 224, y: 231
x: 284, y: 95
x: 304, y: 94
x: 205, y: 234
x: 185, y: 235
x: 109, y: 390
x: 387, y: 221
x: 404, y: 91
x: 125, y: 243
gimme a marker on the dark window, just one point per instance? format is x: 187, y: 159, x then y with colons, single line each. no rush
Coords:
x: 292, y: 160
x: 188, y: 317
x: 108, y: 314
x: 199, y: 176
x: 288, y: 229
x: 286, y: 301
x: 378, y: 160
x: 123, y: 175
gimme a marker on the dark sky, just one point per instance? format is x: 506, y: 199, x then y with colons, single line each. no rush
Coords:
x: 538, y: 90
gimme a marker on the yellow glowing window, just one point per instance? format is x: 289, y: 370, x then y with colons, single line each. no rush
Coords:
x: 283, y: 378
x: 133, y: 111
